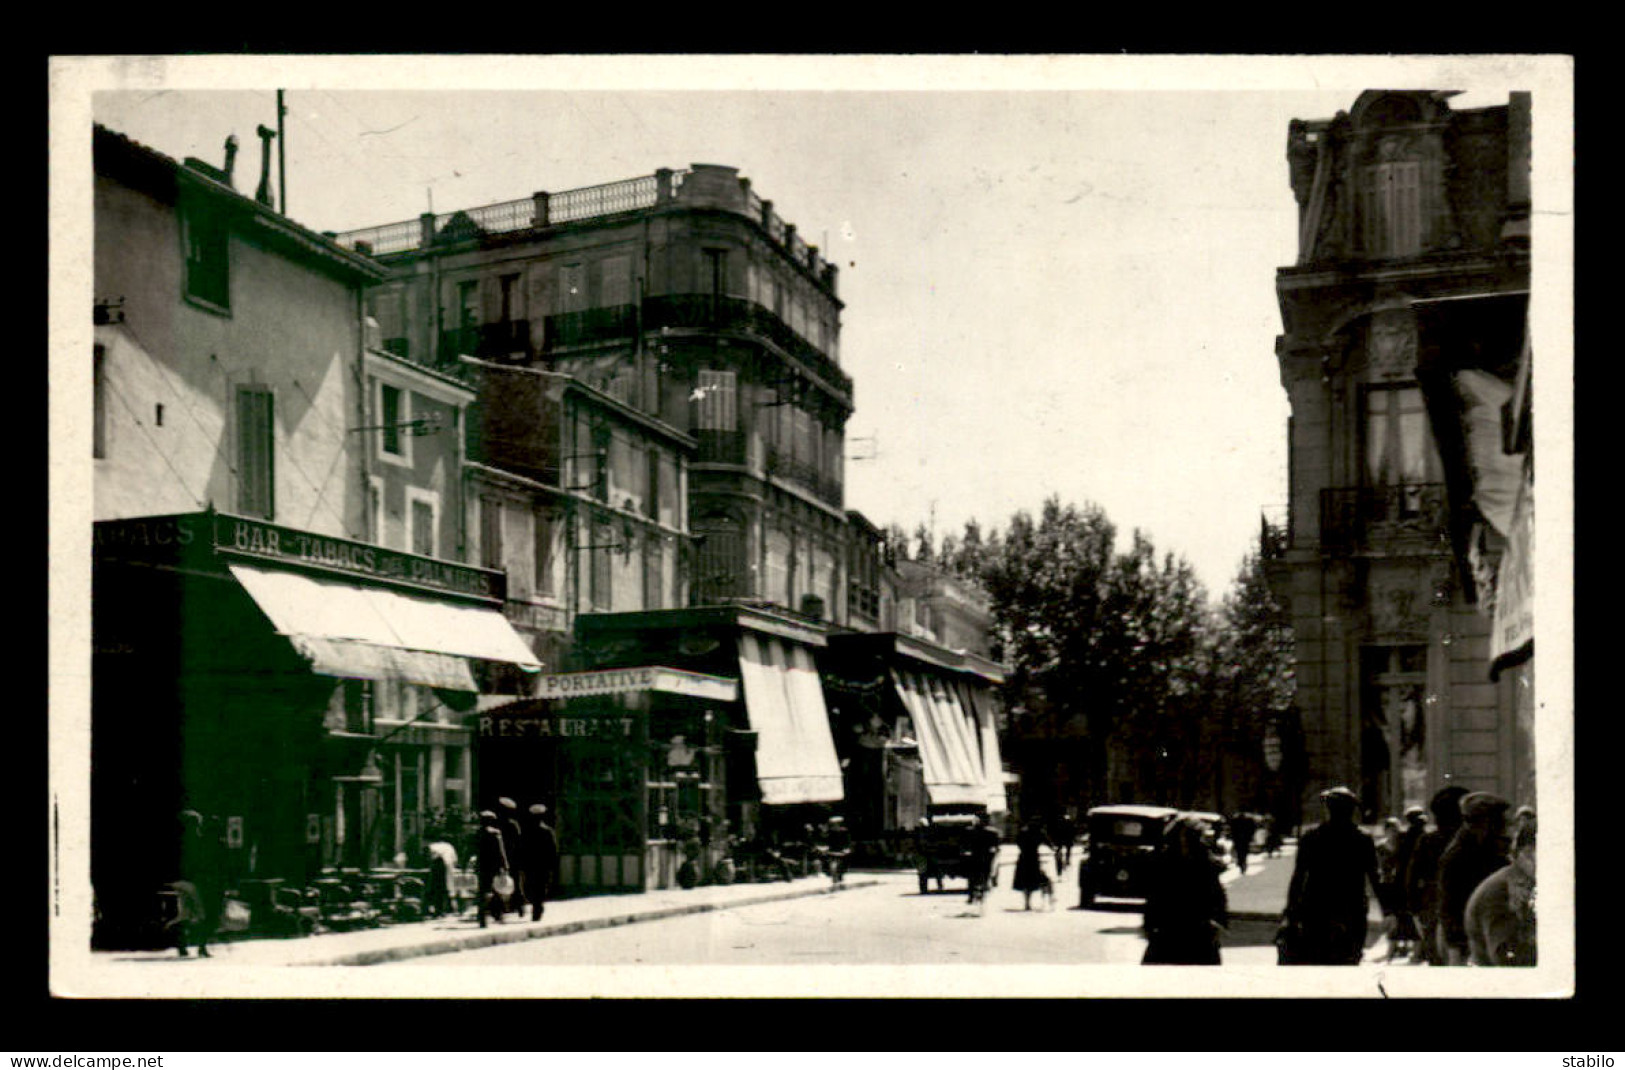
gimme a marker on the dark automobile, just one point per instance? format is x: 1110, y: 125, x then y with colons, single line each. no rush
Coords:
x: 1122, y: 840
x: 940, y: 850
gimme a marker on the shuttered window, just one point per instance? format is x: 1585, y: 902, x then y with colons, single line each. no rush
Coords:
x: 491, y: 532
x: 1391, y: 209
x: 255, y: 452
x: 717, y: 406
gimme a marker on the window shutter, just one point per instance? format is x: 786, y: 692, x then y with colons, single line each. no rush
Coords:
x: 255, y: 476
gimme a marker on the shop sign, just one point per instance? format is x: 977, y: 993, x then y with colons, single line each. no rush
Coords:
x: 255, y: 538
x: 544, y: 726
x: 566, y: 685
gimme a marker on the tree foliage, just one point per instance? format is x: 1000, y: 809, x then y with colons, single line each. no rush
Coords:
x: 1122, y: 648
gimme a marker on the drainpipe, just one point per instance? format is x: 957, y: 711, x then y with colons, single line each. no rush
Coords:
x: 368, y: 534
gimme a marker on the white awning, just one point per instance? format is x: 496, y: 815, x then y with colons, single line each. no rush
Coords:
x: 784, y: 700
x: 949, y: 751
x: 980, y: 705
x: 372, y: 633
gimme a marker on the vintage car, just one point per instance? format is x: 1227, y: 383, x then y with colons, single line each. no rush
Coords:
x: 940, y: 850
x: 1121, y: 842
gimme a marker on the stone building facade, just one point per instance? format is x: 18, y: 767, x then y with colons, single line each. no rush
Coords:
x: 1413, y: 257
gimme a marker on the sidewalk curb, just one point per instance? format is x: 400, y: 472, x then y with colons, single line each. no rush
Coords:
x: 492, y: 938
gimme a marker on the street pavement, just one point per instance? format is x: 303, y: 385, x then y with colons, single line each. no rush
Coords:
x: 1256, y: 899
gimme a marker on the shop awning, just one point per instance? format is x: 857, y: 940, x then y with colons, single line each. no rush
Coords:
x: 950, y: 747
x: 784, y: 700
x: 372, y: 633
x: 979, y: 705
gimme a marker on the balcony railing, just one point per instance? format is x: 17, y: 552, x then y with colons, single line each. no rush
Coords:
x: 487, y: 341
x: 720, y: 447
x: 1405, y: 516
x: 705, y: 312
x: 781, y: 465
x: 589, y: 326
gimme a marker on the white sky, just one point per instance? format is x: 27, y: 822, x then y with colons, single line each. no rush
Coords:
x: 1058, y: 274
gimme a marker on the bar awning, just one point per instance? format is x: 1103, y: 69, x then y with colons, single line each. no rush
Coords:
x: 373, y: 633
x: 784, y: 701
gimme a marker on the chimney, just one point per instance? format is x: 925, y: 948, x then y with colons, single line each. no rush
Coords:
x: 231, y: 156
x: 263, y: 194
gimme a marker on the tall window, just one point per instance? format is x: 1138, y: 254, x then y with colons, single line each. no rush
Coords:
x: 491, y: 532
x: 98, y: 388
x: 615, y: 281
x: 1399, y: 445
x: 510, y: 285
x: 390, y: 418
x: 716, y: 407
x: 423, y: 521
x: 572, y: 288
x: 256, y: 474
x: 1391, y: 209
x: 544, y: 552
x: 208, y: 264
x: 468, y: 304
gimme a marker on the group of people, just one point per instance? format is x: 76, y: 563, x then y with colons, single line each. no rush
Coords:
x: 1460, y: 893
x: 517, y: 861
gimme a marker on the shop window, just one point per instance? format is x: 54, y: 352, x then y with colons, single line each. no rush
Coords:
x: 255, y: 452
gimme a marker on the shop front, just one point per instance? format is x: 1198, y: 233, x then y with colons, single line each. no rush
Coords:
x: 723, y: 775
x: 304, y: 693
x: 628, y: 762
x: 917, y: 727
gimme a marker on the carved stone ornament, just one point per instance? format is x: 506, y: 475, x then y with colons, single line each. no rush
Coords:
x: 1391, y: 345
x: 1398, y: 603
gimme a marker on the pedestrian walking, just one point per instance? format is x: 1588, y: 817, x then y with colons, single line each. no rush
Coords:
x: 538, y: 861
x: 1185, y: 905
x: 442, y: 864
x: 1030, y: 876
x: 1272, y: 836
x: 1242, y: 830
x: 1065, y: 834
x: 1478, y: 849
x: 1500, y: 918
x: 1403, y: 934
x: 1422, y: 873
x: 981, y: 847
x: 200, y: 891
x: 1324, y: 923
x: 495, y: 873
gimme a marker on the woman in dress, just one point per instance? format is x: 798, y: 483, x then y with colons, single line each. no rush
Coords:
x: 1185, y: 906
x: 1030, y: 875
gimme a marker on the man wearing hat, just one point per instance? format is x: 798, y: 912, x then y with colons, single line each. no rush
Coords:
x: 1325, y: 918
x: 492, y: 856
x: 1422, y: 875
x: 1478, y: 850
x: 538, y: 861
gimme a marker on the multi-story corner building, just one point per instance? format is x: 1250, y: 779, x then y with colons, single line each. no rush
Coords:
x: 686, y: 298
x: 1413, y: 262
x: 276, y: 581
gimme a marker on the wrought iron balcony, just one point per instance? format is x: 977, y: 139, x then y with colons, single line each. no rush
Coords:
x: 807, y: 476
x: 487, y: 341
x: 1401, y: 517
x: 706, y: 312
x: 589, y: 326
